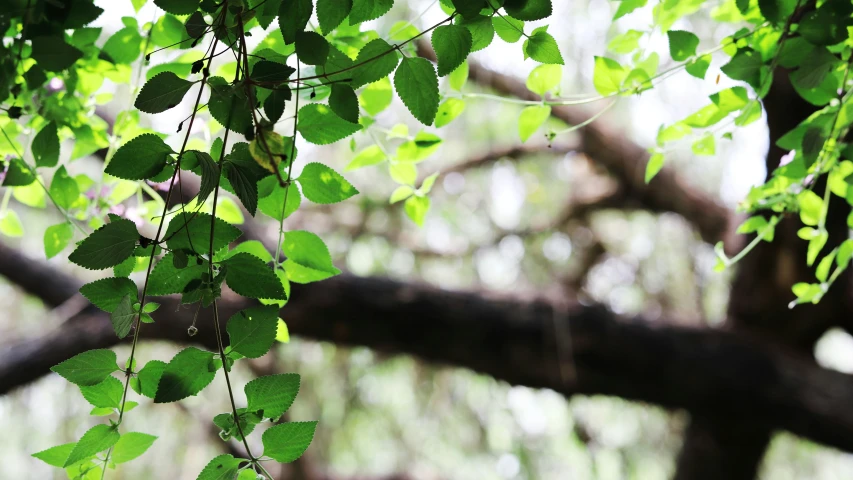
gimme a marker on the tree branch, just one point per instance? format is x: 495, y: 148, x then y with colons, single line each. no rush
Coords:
x: 712, y: 373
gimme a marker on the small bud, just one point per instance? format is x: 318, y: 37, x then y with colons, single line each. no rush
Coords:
x: 192, y: 331
x: 197, y: 66
x: 147, y: 57
x: 15, y: 112
x: 225, y: 436
x: 313, y: 94
x: 180, y: 126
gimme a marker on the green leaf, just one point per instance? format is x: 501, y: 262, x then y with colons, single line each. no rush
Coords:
x: 730, y: 99
x: 308, y: 258
x: 273, y: 204
x: 699, y: 66
x: 10, y: 224
x: 376, y: 60
x: 419, y: 148
x: 330, y: 13
x: 96, y: 439
x: 542, y: 47
x: 223, y: 467
x: 417, y: 86
x: 811, y: 207
x: 371, y: 155
x: 628, y: 6
x: 448, y: 111
x: 745, y: 65
x: 229, y: 105
x: 124, y: 46
x: 186, y: 375
x: 705, y: 117
x: 458, y: 77
x: 682, y: 44
x: 145, y: 382
x: 244, y: 184
x: 401, y: 193
x: 364, y: 10
x: 178, y: 7
x: 141, y: 158
x: 452, y: 44
x: 824, y: 26
x: 274, y: 104
x: 531, y: 119
x: 53, y: 54
x: 376, y: 97
x: 107, y: 246
x: 750, y: 113
x: 273, y: 73
x: 88, y: 368
x: 319, y: 125
x: 209, y: 173
x: 45, y: 146
x: 286, y: 442
x: 705, y: 145
x: 250, y: 277
x: 467, y: 8
x: 281, y: 333
x: 653, y: 166
x: 197, y: 227
x: 343, y: 102
x: 338, y: 67
x: 544, y: 78
x: 482, y: 31
x: 18, y: 173
x: 55, y: 456
x: 272, y: 394
x: 311, y: 48
x: 32, y: 195
x: 106, y: 394
x: 166, y: 279
x: 195, y: 25
x: 608, y: 75
x: 64, y: 189
x: 626, y: 42
x: 164, y: 91
x: 123, y: 315
x: 107, y: 293
x: 508, y: 29
x: 293, y: 15
x: 416, y: 208
x: 254, y: 247
x: 528, y: 9
x: 252, y: 331
x: 321, y: 184
x: 130, y: 446
x: 56, y: 238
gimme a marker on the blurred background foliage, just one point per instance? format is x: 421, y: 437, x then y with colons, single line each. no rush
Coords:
x: 500, y: 228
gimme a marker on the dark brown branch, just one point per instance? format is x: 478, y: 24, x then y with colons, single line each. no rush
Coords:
x: 712, y: 373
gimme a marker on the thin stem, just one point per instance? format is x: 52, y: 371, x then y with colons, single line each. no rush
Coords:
x: 589, y: 120
x: 216, y: 327
x: 289, y: 177
x: 138, y: 320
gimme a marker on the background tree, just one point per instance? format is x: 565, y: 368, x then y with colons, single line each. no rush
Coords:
x: 160, y: 150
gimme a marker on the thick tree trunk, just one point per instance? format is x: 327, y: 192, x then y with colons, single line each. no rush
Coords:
x: 733, y: 448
